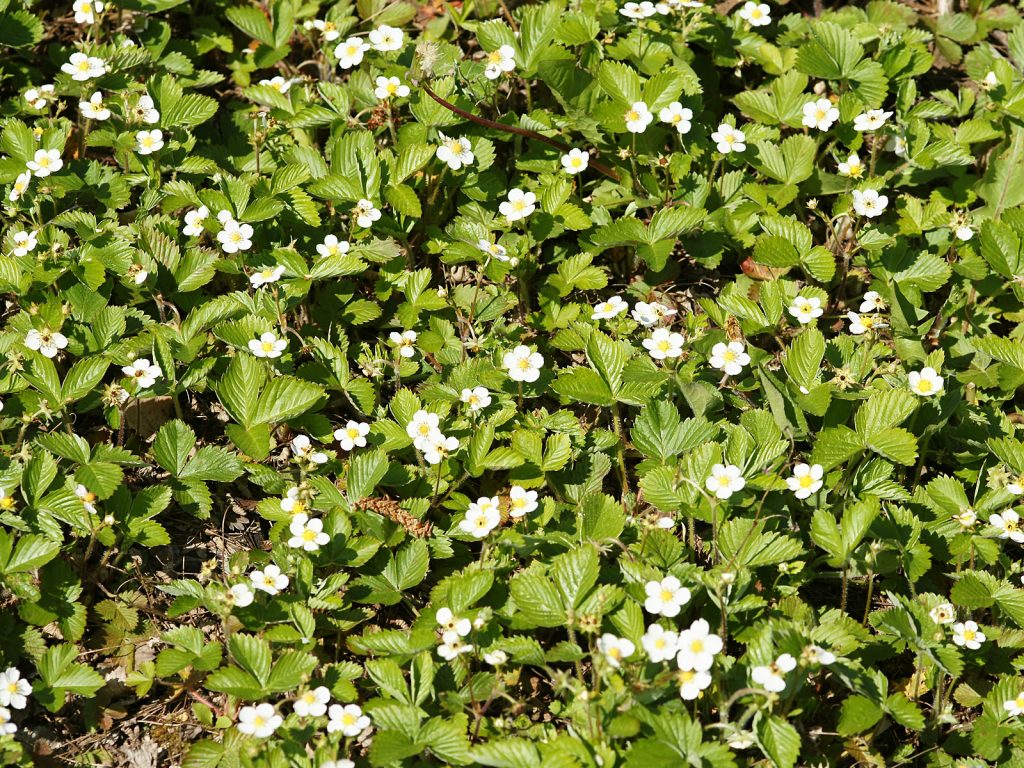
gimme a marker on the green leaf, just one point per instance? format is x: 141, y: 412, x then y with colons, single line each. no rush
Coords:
x: 173, y: 445
x: 285, y: 398
x: 779, y: 741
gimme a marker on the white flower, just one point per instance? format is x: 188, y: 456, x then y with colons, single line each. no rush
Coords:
x: 20, y: 186
x: 350, y: 53
x: 806, y: 480
x: 806, y: 309
x: 452, y: 646
x: 1008, y: 525
x: 872, y: 302
x: 666, y: 597
x: 963, y: 233
x: 82, y: 67
x: 575, y: 161
x: 869, y: 203
x: 404, y: 342
x: 728, y: 139
x: 145, y: 110
x: 519, y: 205
x: 312, y: 703
x: 389, y: 87
x: 852, y: 167
x: 456, y: 152
x: 269, y: 580
x: 638, y: 117
x: 278, y: 83
x: 94, y: 108
x: 496, y: 658
x: 476, y: 398
x: 677, y: 115
x: 307, y: 534
x: 725, y: 480
x: 292, y: 504
x: 773, y: 677
x: 234, y: 237
x: 943, y: 613
x: 143, y: 372
x: 926, y: 383
x: 606, y: 310
x: 327, y: 29
x: 260, y: 720
x: 697, y: 647
x: 640, y: 10
x: 692, y: 682
x: 615, y: 649
x: 24, y: 243
x: 493, y: 249
x: 968, y: 517
x: 349, y: 719
x: 1015, y: 707
x: 38, y: 98
x: 352, y: 435
x: 366, y: 213
x: 659, y: 643
x: 649, y: 314
x: 521, y: 502
x: 240, y: 595
x: 332, y: 246
x: 756, y: 14
x: 815, y: 654
x: 437, y: 447
x: 871, y: 120
x: 385, y: 38
x: 897, y: 145
x: 864, y: 323
x: 449, y: 622
x: 45, y: 162
x: 729, y: 357
x: 267, y: 345
x: 991, y: 80
x: 266, y: 275
x: 967, y: 635
x: 423, y: 425
x: 14, y: 689
x: 148, y: 142
x: 194, y: 221
x: 663, y: 344
x: 482, y: 517
x: 820, y: 114
x: 86, y: 10
x: 6, y: 726
x: 303, y: 449
x: 47, y: 342
x: 499, y: 62
x: 522, y: 364
x: 87, y: 497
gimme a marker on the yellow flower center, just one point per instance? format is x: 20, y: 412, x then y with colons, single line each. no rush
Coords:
x: 969, y: 634
x: 728, y: 356
x: 697, y: 646
x: 632, y: 115
x: 268, y: 346
x: 806, y: 481
x: 353, y: 433
x: 667, y: 595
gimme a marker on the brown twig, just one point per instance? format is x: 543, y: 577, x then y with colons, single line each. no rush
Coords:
x: 513, y: 129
